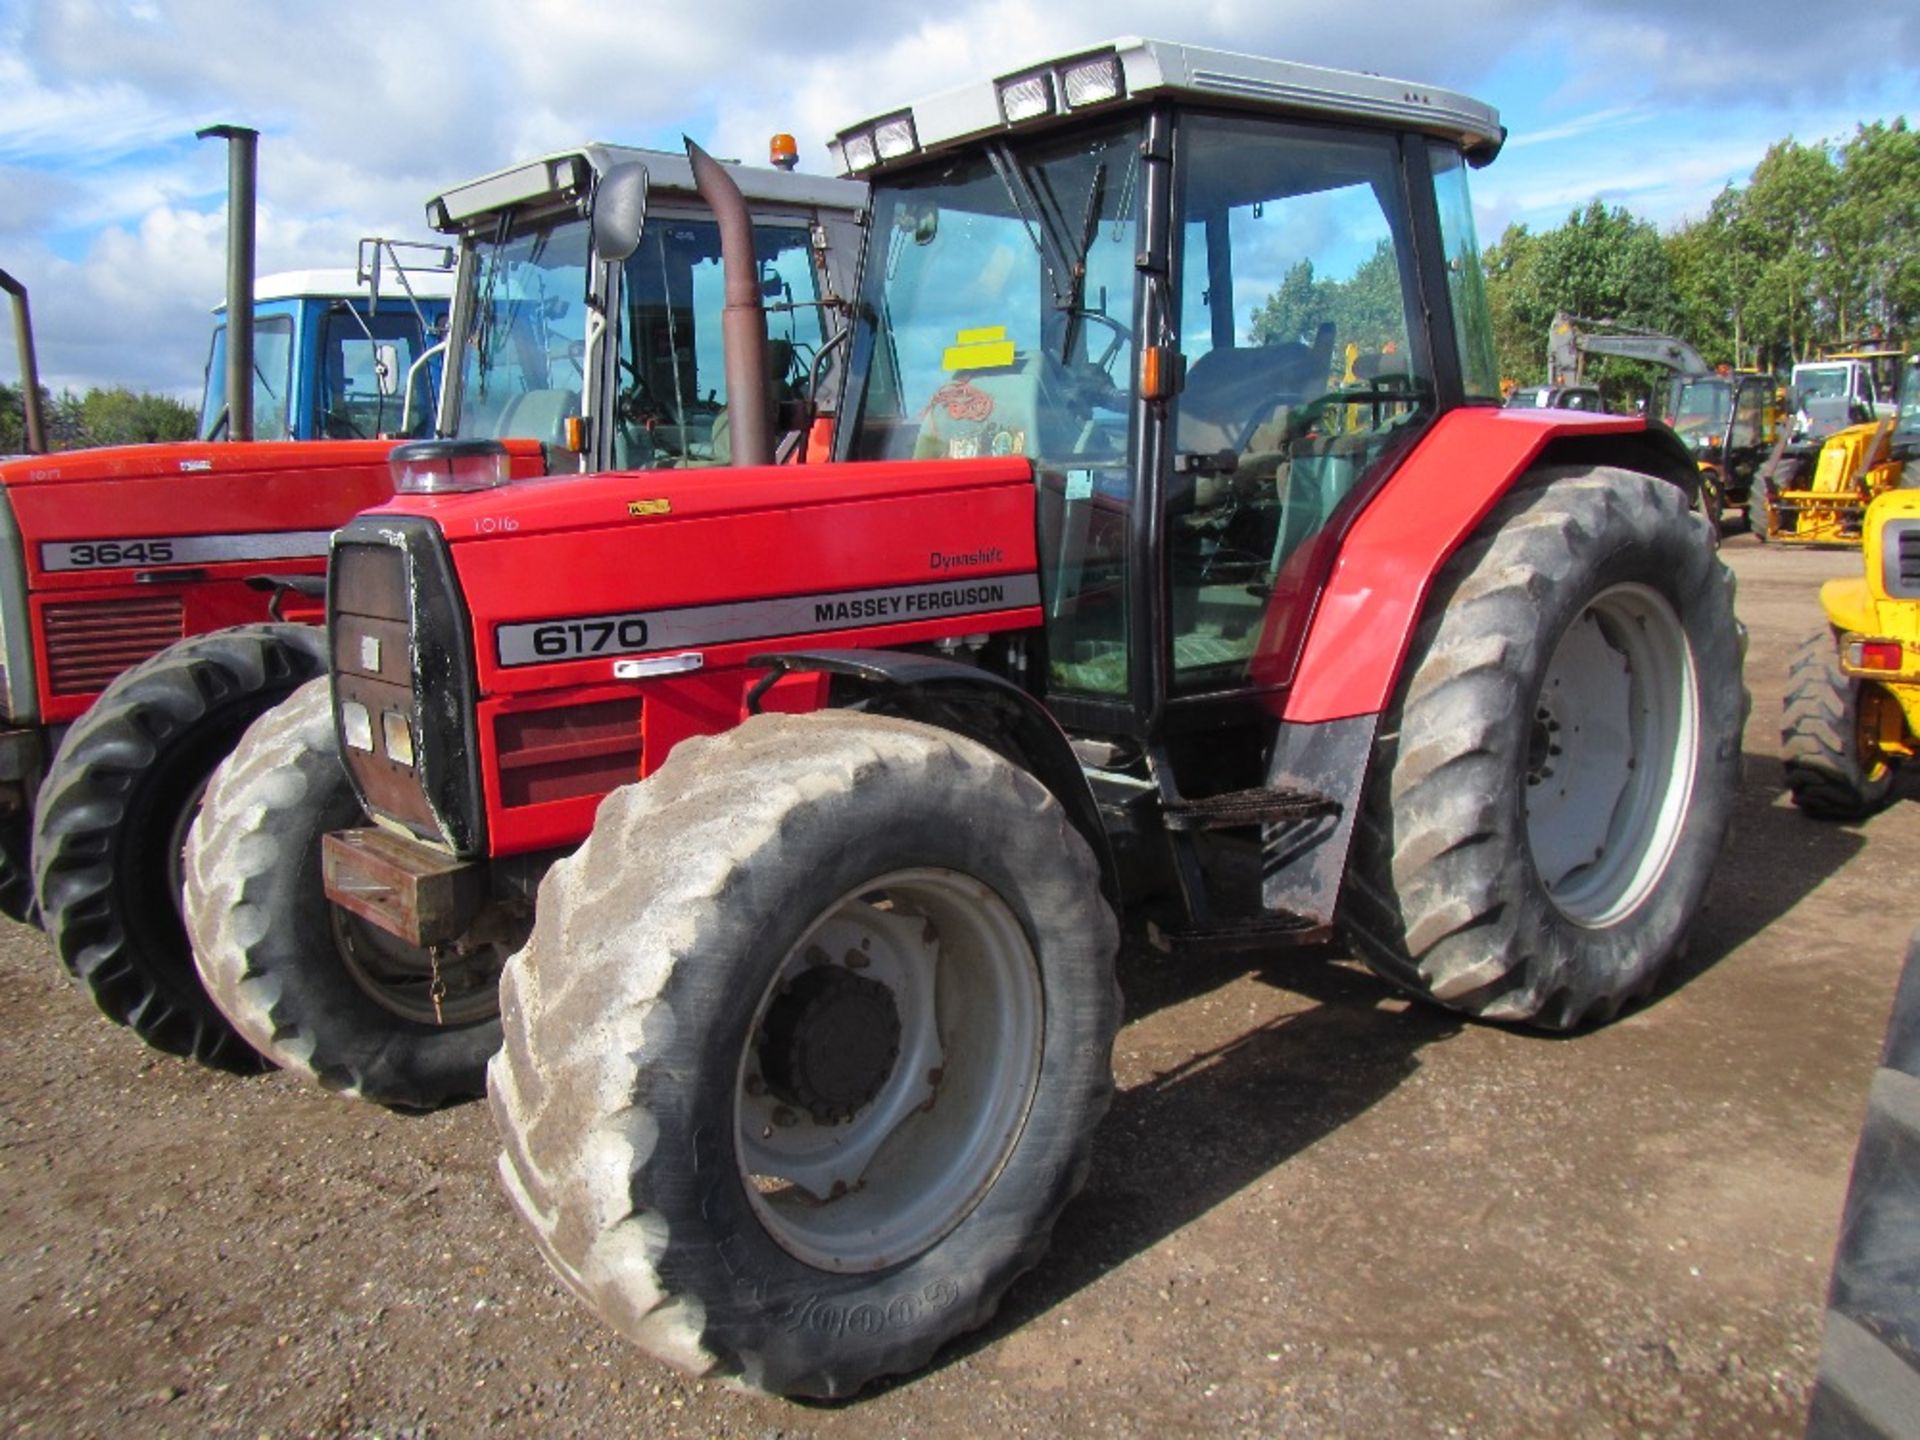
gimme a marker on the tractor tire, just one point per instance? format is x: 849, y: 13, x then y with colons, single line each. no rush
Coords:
x: 1830, y: 772
x: 1869, y: 1379
x: 320, y: 992
x: 796, y: 941
x: 16, y: 869
x: 1553, y: 780
x: 112, y: 821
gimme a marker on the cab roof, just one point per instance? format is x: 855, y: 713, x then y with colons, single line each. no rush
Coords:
x: 568, y: 175
x: 346, y: 284
x: 1160, y: 67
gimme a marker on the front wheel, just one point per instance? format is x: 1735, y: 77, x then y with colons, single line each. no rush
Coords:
x: 1829, y: 736
x: 1555, y: 776
x: 806, y: 1052
x: 323, y: 993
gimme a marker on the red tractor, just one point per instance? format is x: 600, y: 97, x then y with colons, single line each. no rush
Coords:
x: 136, y: 583
x: 1180, y: 560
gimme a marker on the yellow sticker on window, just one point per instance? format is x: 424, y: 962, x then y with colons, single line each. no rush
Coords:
x: 984, y: 347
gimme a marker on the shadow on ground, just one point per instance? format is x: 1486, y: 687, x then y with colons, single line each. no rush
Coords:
x: 1774, y: 858
x: 1177, y: 1145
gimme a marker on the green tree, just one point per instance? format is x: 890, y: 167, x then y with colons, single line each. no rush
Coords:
x: 1294, y: 311
x: 121, y: 417
x: 1520, y: 347
x: 1874, y: 228
x: 1795, y: 294
x: 1365, y: 308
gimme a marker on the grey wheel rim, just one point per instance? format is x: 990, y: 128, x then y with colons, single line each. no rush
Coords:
x: 889, y: 1070
x: 1610, y: 766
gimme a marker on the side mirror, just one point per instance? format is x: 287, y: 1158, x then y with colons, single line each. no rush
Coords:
x: 386, y: 368
x: 619, y: 210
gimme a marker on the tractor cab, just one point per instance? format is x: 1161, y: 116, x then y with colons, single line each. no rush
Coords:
x: 342, y: 354
x: 1729, y: 421
x: 1210, y: 298
x: 614, y: 360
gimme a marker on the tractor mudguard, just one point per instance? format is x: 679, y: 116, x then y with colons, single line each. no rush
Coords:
x: 976, y: 703
x: 1849, y: 605
x: 1387, y: 561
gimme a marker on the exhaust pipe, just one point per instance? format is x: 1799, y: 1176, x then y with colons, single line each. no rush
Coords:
x: 743, y: 323
x: 242, y: 189
x: 29, y: 370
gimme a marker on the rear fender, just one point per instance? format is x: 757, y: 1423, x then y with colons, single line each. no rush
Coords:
x: 1850, y: 605
x: 971, y: 702
x: 1371, y: 603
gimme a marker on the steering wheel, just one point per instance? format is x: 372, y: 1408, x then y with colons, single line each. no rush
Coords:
x: 1394, y: 389
x: 636, y: 403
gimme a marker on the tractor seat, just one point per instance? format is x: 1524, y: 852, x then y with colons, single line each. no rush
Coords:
x: 1232, y: 390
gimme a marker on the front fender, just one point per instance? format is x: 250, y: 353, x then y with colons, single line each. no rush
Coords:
x: 975, y: 703
x: 1850, y: 605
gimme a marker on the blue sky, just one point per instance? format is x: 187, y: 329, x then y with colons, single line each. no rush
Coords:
x: 114, y: 216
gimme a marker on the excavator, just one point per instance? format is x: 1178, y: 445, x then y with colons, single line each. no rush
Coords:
x: 1727, y: 420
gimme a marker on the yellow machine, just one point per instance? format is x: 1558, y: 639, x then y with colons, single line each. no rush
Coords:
x: 1853, y: 689
x: 1816, y: 489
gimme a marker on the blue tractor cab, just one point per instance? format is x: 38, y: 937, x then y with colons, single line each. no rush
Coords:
x: 343, y: 354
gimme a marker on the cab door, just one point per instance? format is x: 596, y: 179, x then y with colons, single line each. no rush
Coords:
x: 1308, y: 372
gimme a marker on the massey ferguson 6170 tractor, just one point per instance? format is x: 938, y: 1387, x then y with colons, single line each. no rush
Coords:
x: 117, y: 554
x: 1181, y: 561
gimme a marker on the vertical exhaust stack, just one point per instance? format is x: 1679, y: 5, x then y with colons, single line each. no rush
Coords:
x: 242, y: 189
x: 29, y: 368
x: 743, y: 323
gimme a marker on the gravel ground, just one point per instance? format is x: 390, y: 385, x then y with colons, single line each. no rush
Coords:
x: 1315, y: 1209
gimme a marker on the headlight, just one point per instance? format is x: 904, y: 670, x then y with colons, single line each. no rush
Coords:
x: 398, y: 735
x: 442, y: 467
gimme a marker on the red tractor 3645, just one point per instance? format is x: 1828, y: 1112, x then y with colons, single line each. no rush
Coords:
x: 138, y: 646
x: 1180, y: 549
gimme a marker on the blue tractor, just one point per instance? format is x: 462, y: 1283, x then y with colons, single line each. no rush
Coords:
x: 342, y: 354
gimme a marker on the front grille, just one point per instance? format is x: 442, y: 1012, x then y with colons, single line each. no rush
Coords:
x: 370, y: 667
x: 91, y: 641
x: 561, y: 754
x: 1900, y: 552
x: 400, y: 643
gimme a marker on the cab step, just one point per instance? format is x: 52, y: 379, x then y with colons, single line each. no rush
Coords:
x: 1260, y: 806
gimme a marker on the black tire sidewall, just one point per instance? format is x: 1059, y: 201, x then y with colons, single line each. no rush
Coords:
x: 787, y: 1324
x: 138, y: 914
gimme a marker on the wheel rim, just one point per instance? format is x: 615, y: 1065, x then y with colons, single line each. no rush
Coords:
x: 1610, y: 763
x: 889, y: 1070
x: 400, y: 978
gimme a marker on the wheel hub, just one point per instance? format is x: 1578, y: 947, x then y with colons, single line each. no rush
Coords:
x: 830, y: 1042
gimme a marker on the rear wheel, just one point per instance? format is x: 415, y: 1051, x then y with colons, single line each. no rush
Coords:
x: 112, y: 818
x: 321, y: 992
x: 806, y: 1052
x: 1554, y: 779
x: 1828, y: 735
